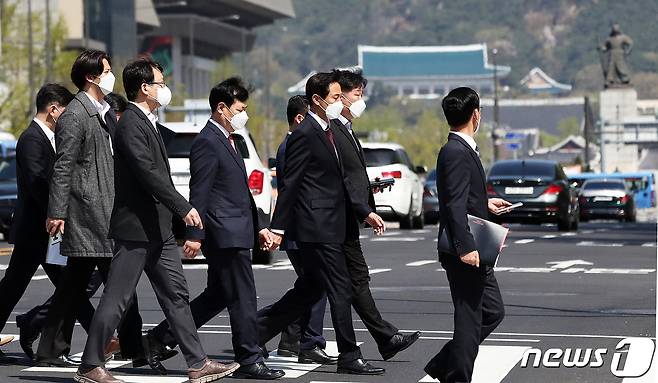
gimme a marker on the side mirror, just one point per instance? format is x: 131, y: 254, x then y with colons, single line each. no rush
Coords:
x: 420, y: 169
x: 271, y: 163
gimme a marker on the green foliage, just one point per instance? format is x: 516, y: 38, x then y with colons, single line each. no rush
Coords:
x: 569, y: 126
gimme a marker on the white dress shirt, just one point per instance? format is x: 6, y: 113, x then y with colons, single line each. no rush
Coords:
x: 150, y: 115
x: 323, y: 124
x: 220, y: 127
x: 102, y: 107
x: 469, y: 140
x: 46, y: 130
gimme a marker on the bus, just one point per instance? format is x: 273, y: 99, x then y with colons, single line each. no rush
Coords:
x: 642, y: 184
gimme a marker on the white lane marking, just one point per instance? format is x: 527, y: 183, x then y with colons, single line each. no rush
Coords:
x: 599, y: 244
x: 587, y: 231
x: 549, y: 236
x: 486, y: 340
x: 362, y: 236
x: 568, y: 234
x: 524, y: 241
x: 397, y: 239
x: 152, y: 379
x: 282, y: 268
x: 493, y: 363
x: 619, y: 271
x: 531, y: 270
x: 560, y: 265
x: 649, y: 244
x: 422, y: 263
x: 377, y: 271
x: 196, y: 266
x: 421, y: 231
x: 391, y: 233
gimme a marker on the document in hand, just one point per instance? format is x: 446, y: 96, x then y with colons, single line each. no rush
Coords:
x: 489, y: 240
x: 53, y: 257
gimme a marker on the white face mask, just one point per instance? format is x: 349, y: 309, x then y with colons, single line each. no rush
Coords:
x: 163, y: 95
x: 239, y: 120
x: 334, y: 110
x: 357, y: 108
x: 106, y: 83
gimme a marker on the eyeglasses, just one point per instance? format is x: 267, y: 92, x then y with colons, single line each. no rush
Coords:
x: 161, y: 84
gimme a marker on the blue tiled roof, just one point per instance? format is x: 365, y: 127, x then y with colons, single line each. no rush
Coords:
x: 428, y: 61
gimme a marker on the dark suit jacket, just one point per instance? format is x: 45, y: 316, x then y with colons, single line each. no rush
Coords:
x: 145, y: 196
x: 357, y: 183
x: 287, y: 244
x: 220, y: 192
x: 462, y: 188
x: 311, y: 204
x: 34, y: 166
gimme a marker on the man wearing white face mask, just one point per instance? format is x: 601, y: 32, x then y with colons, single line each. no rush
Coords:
x: 144, y: 204
x: 80, y: 201
x: 219, y: 189
x: 361, y: 208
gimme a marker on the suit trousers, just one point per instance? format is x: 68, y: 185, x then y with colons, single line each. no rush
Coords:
x: 230, y: 285
x: 325, y: 270
x: 71, y: 293
x: 362, y: 300
x: 306, y: 332
x: 25, y: 260
x: 162, y: 264
x: 479, y: 310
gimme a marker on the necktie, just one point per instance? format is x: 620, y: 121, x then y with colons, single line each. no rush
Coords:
x: 330, y: 136
x: 477, y: 150
x: 230, y: 139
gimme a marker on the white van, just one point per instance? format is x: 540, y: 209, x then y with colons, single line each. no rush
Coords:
x: 178, y: 137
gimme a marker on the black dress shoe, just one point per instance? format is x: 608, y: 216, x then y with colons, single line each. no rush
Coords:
x: 397, y: 343
x: 316, y: 355
x: 27, y: 335
x: 155, y: 353
x: 359, y: 367
x: 257, y: 371
x: 62, y: 361
x: 288, y: 353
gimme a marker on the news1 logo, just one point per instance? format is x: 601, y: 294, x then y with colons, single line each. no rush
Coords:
x: 631, y: 359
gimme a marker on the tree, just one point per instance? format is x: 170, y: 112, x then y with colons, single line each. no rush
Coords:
x: 569, y: 126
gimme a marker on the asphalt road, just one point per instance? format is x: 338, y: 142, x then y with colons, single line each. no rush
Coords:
x: 586, y: 290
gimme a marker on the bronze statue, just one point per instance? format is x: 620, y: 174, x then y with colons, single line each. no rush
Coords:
x: 613, y: 58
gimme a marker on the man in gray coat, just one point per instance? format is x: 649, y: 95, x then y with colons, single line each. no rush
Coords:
x: 80, y: 204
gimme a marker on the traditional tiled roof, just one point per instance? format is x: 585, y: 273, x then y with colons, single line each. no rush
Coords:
x: 537, y: 81
x: 456, y: 61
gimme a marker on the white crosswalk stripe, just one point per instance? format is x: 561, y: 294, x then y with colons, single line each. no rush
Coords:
x: 492, y: 364
x: 422, y: 263
x: 397, y: 239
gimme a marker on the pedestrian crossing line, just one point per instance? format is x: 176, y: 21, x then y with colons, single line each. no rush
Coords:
x: 109, y: 365
x: 422, y: 263
x: 523, y: 241
x: 649, y: 244
x: 492, y: 364
x: 599, y: 244
x: 377, y: 271
x: 549, y: 236
x: 486, y: 340
x: 397, y: 239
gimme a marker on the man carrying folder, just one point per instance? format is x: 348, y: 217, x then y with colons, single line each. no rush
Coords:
x: 462, y: 191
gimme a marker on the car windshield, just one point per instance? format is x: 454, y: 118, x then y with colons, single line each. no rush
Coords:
x: 523, y: 168
x: 380, y: 157
x: 432, y: 175
x: 179, y: 146
x: 602, y: 185
x: 8, y: 169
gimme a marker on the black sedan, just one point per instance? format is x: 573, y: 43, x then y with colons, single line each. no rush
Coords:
x: 606, y: 198
x: 542, y: 187
x: 8, y: 193
x: 431, y: 199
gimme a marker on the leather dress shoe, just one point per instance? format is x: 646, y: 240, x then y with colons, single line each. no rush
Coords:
x: 211, y: 371
x: 257, y: 371
x: 95, y: 375
x: 316, y: 355
x: 62, y: 361
x: 359, y: 367
x: 27, y: 335
x: 113, y: 348
x: 398, y: 342
x: 155, y: 353
x: 286, y: 352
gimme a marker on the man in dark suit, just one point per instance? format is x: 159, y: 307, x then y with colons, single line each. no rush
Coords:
x: 219, y: 189
x: 361, y: 206
x: 311, y: 210
x: 35, y: 156
x: 462, y: 190
x: 145, y: 199
x: 303, y: 338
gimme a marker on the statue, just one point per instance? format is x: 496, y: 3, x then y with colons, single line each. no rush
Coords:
x: 613, y: 54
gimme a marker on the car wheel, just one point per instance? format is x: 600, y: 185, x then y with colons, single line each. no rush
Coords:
x: 419, y: 221
x: 563, y: 224
x: 576, y: 221
x: 262, y: 257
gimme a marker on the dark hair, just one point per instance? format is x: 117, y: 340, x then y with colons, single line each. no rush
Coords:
x: 137, y: 73
x: 228, y: 91
x: 88, y: 63
x: 50, y: 94
x: 117, y: 102
x: 319, y: 84
x: 459, y: 104
x: 351, y: 79
x: 296, y: 105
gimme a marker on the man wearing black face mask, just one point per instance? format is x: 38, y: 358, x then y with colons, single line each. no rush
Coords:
x: 361, y: 207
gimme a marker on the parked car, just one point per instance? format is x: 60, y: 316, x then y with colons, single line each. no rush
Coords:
x: 431, y: 199
x: 607, y: 198
x: 8, y: 193
x: 178, y: 137
x: 542, y: 187
x: 404, y: 202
